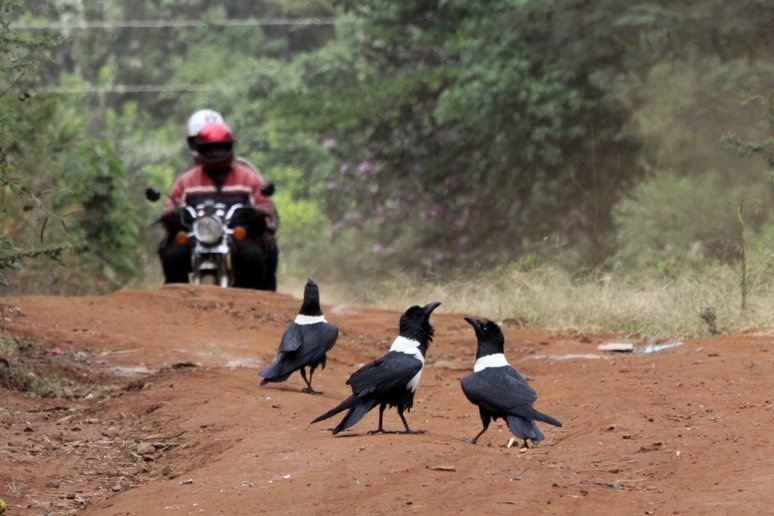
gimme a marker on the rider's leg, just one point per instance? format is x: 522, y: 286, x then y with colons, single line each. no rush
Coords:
x: 249, y: 262
x: 175, y: 261
x: 272, y: 259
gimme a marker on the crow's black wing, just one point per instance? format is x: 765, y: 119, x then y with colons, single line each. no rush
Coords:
x: 316, y: 341
x: 291, y: 339
x: 394, y: 370
x: 326, y: 336
x: 280, y: 369
x: 499, y: 391
x: 301, y: 345
x: 497, y: 388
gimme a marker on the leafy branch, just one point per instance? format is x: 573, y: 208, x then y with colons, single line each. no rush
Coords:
x: 763, y: 148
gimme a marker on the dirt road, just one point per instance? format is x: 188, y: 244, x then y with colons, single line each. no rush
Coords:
x: 686, y: 430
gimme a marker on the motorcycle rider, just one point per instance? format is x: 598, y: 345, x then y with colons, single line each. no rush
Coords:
x: 218, y: 176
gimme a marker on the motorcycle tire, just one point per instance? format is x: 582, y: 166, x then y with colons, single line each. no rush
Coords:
x: 208, y: 279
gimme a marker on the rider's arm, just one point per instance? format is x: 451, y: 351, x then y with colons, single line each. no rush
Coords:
x: 260, y: 201
x: 175, y: 198
x: 175, y: 195
x: 267, y: 205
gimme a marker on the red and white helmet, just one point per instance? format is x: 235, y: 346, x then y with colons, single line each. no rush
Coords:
x: 197, y: 121
x: 214, y: 146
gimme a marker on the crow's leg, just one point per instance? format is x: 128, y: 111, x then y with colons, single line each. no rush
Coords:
x: 380, y: 430
x: 473, y: 441
x: 408, y: 430
x: 308, y: 389
x: 485, y: 420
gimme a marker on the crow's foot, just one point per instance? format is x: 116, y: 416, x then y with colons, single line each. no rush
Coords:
x: 379, y: 431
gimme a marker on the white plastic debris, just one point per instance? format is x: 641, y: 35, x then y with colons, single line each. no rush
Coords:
x: 659, y: 347
x: 622, y: 347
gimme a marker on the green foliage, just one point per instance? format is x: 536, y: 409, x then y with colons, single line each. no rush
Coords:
x: 669, y: 218
x: 481, y: 130
x: 19, y: 54
x: 73, y: 203
x: 417, y: 135
x: 11, y: 259
x: 765, y: 146
x: 688, y: 106
x: 108, y: 221
x: 450, y: 128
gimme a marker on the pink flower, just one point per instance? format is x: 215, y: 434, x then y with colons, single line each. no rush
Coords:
x: 329, y: 142
x: 365, y: 166
x: 56, y: 351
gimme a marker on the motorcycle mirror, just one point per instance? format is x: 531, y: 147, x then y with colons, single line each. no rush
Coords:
x: 267, y: 190
x: 152, y: 194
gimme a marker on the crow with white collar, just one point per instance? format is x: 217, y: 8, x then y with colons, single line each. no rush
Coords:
x: 499, y: 390
x: 393, y: 379
x: 304, y: 343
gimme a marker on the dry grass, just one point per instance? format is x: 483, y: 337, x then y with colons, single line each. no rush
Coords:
x: 641, y: 306
x: 24, y: 367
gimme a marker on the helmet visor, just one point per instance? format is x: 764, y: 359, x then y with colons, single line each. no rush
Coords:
x: 214, y: 152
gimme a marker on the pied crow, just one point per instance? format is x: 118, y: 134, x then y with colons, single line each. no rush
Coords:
x: 393, y: 379
x: 304, y: 343
x: 499, y: 390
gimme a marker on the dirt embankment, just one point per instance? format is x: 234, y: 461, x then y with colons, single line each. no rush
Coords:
x: 686, y: 430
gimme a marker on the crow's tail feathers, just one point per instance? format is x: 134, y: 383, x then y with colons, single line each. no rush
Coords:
x: 344, y: 405
x: 358, y: 407
x: 273, y: 373
x: 267, y: 373
x: 523, y: 425
x: 545, y: 418
x: 524, y: 428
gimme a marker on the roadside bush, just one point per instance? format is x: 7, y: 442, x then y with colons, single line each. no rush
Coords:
x: 688, y: 219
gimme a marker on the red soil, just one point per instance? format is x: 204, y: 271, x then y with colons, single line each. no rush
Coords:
x: 685, y: 430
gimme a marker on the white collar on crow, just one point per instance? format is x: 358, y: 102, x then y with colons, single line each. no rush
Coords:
x: 496, y: 360
x: 309, y: 319
x: 409, y: 346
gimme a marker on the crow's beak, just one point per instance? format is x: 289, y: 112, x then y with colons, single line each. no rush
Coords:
x: 474, y: 322
x: 428, y: 309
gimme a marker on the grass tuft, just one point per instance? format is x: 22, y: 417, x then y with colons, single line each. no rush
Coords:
x: 645, y: 305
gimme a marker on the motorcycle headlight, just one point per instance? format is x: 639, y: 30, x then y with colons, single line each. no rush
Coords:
x: 208, y: 230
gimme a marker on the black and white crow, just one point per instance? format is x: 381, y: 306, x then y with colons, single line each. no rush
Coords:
x: 392, y: 380
x: 499, y: 390
x: 304, y: 343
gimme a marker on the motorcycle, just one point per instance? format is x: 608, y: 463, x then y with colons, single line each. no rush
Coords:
x: 213, y: 228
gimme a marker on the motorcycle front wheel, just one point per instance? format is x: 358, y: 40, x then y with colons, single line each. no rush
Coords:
x: 206, y: 279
